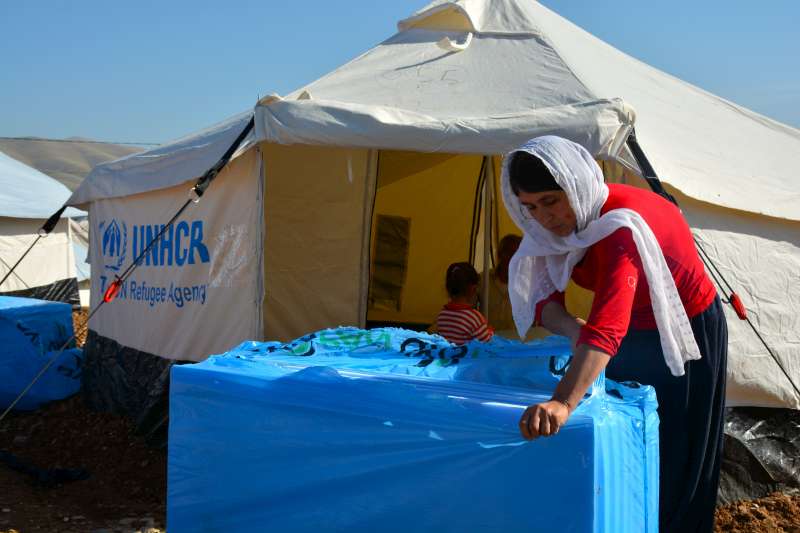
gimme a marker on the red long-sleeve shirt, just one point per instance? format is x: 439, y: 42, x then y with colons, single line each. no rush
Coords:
x: 613, y: 269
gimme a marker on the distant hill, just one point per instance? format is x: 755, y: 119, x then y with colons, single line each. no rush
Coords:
x: 68, y: 162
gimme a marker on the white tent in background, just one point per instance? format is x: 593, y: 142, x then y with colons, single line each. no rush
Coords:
x: 27, y: 199
x: 297, y: 232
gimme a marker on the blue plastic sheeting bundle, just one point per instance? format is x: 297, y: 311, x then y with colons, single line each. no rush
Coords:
x: 392, y: 430
x: 31, y: 332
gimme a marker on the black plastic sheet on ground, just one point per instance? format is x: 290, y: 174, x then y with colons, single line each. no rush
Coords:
x: 761, y: 453
x: 129, y: 382
x: 64, y: 290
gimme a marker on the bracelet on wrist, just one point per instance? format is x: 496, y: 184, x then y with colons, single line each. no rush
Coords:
x: 562, y: 401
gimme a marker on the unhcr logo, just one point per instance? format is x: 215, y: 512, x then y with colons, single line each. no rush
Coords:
x: 114, y: 244
x: 180, y: 244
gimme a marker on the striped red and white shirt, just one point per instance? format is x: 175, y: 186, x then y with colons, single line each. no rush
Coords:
x: 460, y: 323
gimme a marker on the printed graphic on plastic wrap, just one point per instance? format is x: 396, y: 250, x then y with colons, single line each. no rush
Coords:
x: 202, y: 270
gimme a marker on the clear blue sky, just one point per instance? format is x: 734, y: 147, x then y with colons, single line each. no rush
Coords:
x: 155, y: 70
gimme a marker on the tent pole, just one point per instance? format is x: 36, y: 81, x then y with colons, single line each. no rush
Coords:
x: 488, y: 201
x: 370, y: 195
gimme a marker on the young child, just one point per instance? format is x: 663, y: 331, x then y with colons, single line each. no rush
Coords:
x: 458, y: 321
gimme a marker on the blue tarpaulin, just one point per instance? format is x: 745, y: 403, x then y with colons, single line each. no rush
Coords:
x: 392, y: 430
x: 31, y: 332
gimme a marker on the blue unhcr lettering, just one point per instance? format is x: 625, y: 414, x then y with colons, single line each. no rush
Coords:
x: 196, y: 243
x: 181, y: 296
x: 176, y: 295
x: 152, y: 255
x: 143, y: 293
x: 166, y: 245
x: 140, y: 240
x: 136, y: 245
x: 180, y: 244
x: 180, y: 251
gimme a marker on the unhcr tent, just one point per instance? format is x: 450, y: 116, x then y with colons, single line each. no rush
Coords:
x: 352, y: 194
x: 49, y: 271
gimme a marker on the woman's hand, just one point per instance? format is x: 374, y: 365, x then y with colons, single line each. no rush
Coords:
x: 543, y: 419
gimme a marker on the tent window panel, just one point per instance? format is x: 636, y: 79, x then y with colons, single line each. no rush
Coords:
x: 392, y: 237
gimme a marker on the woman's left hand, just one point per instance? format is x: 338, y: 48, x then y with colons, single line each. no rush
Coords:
x: 543, y: 419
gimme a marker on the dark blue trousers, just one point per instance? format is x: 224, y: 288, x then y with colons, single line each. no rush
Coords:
x: 690, y: 409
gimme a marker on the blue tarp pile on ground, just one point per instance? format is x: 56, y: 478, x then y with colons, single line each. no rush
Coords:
x: 31, y: 332
x: 393, y: 430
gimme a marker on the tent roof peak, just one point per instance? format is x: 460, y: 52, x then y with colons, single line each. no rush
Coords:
x: 480, y: 16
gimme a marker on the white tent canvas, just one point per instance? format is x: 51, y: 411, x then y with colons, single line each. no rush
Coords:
x: 465, y: 79
x: 27, y: 199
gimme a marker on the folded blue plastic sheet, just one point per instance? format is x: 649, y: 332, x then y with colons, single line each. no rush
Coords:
x: 31, y: 332
x: 389, y: 430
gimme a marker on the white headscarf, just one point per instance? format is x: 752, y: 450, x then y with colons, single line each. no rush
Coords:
x: 544, y: 261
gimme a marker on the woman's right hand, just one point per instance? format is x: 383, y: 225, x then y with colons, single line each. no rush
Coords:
x: 546, y: 418
x: 543, y: 419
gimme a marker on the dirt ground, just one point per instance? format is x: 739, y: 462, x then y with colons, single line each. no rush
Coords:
x: 79, y: 326
x: 126, y: 489
x: 777, y: 513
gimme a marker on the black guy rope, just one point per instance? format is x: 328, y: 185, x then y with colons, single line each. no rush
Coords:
x: 730, y: 296
x: 44, y: 231
x: 741, y: 312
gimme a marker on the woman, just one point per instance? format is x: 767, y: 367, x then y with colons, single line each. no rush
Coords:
x: 655, y: 318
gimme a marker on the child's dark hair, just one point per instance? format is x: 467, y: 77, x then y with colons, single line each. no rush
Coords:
x: 528, y: 173
x: 459, y: 278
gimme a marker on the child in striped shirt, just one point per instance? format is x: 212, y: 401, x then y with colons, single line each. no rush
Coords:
x: 458, y: 321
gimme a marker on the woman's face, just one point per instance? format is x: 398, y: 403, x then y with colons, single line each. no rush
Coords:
x: 551, y: 209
